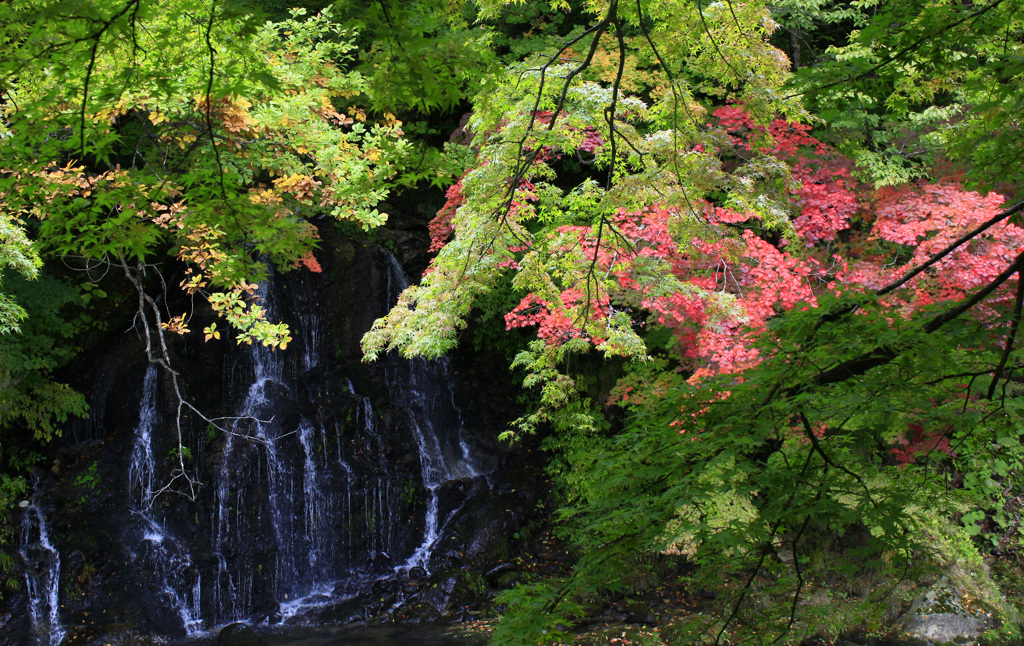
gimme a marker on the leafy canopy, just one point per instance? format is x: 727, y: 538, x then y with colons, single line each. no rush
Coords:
x: 812, y: 342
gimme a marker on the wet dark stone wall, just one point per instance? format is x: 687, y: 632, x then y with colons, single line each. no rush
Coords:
x: 317, y: 494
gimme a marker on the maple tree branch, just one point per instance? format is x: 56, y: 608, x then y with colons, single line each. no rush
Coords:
x: 675, y: 106
x: 596, y: 31
x: 936, y: 257
x: 809, y: 432
x: 767, y: 547
x: 609, y: 18
x: 760, y: 563
x: 704, y: 24
x: 526, y: 160
x: 1014, y: 325
x: 93, y: 52
x: 978, y: 296
x: 973, y: 374
x: 592, y: 275
x: 839, y: 313
x: 884, y: 354
x: 609, y: 112
x: 796, y: 566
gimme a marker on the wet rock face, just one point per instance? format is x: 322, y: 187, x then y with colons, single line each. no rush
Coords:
x: 315, y: 485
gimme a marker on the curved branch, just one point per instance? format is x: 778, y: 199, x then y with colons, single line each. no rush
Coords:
x: 953, y: 246
x: 93, y: 52
x: 1014, y: 325
x: 704, y: 24
x: 882, y: 355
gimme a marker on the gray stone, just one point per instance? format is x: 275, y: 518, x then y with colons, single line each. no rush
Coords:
x: 943, y: 615
x: 945, y: 627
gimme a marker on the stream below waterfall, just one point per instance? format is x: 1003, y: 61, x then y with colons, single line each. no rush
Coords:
x: 356, y: 636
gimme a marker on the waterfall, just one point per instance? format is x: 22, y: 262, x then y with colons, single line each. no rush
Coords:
x: 179, y: 582
x: 233, y: 586
x: 423, y: 388
x: 278, y: 497
x: 326, y: 486
x: 305, y: 503
x: 42, y: 577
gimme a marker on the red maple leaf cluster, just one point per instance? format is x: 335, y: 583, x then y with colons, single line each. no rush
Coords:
x: 717, y: 293
x: 896, y: 228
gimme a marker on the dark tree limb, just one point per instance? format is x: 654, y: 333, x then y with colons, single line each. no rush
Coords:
x: 1014, y: 326
x: 965, y: 238
x: 884, y: 354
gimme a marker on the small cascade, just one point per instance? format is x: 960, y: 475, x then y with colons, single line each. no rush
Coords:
x: 233, y: 587
x: 178, y: 581
x: 374, y: 502
x: 283, y: 516
x: 423, y: 389
x: 42, y: 577
x: 377, y: 482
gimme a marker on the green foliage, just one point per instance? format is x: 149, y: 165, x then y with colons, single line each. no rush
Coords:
x: 12, y: 490
x: 17, y: 255
x: 30, y: 399
x: 922, y: 80
x: 729, y: 474
x: 535, y: 623
x: 176, y: 125
x: 423, y: 56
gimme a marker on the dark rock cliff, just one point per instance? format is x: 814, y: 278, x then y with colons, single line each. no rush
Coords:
x: 320, y: 488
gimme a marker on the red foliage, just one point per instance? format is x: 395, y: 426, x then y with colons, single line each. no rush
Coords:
x: 440, y: 227
x: 733, y: 281
x: 309, y: 261
x: 825, y: 199
x: 921, y: 220
x: 920, y: 442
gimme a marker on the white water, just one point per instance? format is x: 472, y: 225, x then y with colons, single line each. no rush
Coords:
x: 279, y: 464
x: 42, y: 578
x: 180, y: 583
x: 326, y: 507
x: 424, y: 387
x: 233, y: 587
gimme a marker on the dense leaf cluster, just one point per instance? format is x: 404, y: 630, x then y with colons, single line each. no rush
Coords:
x: 786, y: 229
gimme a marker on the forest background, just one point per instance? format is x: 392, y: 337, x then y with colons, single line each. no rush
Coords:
x: 758, y: 264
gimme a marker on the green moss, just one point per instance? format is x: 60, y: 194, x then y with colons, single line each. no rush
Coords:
x: 87, y: 484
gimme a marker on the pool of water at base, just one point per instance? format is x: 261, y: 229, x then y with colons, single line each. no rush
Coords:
x: 394, y: 635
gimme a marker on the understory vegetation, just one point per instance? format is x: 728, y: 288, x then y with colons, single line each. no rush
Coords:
x: 758, y: 265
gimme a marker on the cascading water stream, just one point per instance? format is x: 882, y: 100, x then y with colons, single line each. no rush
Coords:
x: 424, y: 389
x: 374, y: 537
x: 233, y: 588
x: 42, y: 577
x: 278, y: 480
x: 180, y: 583
x: 302, y: 515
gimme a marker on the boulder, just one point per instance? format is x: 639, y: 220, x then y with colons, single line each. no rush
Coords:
x: 943, y: 615
x: 239, y: 634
